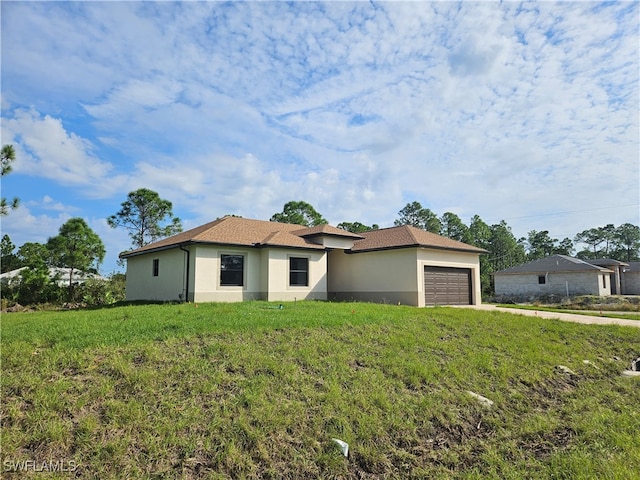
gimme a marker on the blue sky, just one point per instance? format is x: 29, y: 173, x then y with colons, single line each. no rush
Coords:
x: 526, y: 112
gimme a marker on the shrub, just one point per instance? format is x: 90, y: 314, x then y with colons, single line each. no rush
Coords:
x: 33, y: 286
x: 96, y: 292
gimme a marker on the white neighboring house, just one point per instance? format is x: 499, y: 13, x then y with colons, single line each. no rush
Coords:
x: 234, y: 259
x: 62, y: 274
x: 554, y: 275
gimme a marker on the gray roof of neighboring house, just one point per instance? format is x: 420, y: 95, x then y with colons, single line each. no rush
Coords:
x: 606, y: 262
x: 634, y: 267
x: 553, y: 264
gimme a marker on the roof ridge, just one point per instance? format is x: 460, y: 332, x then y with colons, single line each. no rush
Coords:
x: 411, y: 229
x: 271, y: 236
x: 203, y: 228
x: 325, y: 229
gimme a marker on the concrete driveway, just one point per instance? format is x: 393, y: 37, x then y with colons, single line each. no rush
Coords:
x: 565, y: 317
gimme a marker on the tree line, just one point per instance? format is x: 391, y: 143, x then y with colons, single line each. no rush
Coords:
x: 504, y: 249
x: 148, y: 218
x: 76, y: 248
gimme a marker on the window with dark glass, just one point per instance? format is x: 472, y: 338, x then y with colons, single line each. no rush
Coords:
x: 299, y: 271
x: 232, y: 270
x: 542, y: 279
x: 156, y: 267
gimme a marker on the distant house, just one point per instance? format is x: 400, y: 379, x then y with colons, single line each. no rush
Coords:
x: 618, y: 269
x: 567, y: 276
x: 61, y: 275
x: 630, y: 281
x: 555, y: 275
x: 235, y: 259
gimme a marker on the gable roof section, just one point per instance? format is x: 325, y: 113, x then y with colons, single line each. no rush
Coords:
x: 407, y: 236
x: 326, y: 229
x: 553, y: 264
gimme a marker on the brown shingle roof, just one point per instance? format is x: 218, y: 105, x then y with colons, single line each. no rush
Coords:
x: 234, y: 231
x: 256, y: 233
x: 326, y: 229
x: 408, y: 236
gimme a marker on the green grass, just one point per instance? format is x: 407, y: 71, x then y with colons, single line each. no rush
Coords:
x: 250, y: 391
x: 593, y: 313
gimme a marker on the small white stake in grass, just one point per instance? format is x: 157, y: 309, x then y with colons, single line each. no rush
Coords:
x: 344, y: 446
x: 480, y: 398
x: 565, y: 369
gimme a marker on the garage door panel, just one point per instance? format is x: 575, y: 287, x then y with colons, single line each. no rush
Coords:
x: 447, y: 286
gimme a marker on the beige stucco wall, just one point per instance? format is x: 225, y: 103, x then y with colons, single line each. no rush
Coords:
x: 278, y: 275
x: 387, y: 276
x: 266, y: 275
x: 392, y: 276
x: 167, y: 286
x: 578, y: 283
x: 206, y: 274
x: 334, y: 242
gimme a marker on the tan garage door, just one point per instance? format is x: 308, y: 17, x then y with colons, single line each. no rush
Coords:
x: 447, y: 286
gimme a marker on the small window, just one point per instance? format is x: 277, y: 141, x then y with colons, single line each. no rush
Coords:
x: 604, y: 281
x: 156, y: 267
x: 542, y: 279
x: 298, y: 272
x: 232, y: 270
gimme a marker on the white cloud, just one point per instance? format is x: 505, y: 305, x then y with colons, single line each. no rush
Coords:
x: 46, y: 149
x: 495, y: 109
x: 24, y: 226
x: 49, y: 203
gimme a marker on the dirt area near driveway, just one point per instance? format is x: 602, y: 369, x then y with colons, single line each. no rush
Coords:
x: 565, y: 317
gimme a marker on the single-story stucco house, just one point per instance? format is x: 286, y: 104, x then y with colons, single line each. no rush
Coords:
x: 566, y: 276
x: 234, y: 259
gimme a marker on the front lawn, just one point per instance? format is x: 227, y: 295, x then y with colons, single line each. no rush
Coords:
x: 252, y: 390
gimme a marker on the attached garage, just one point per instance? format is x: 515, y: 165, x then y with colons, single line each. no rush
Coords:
x: 447, y: 286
